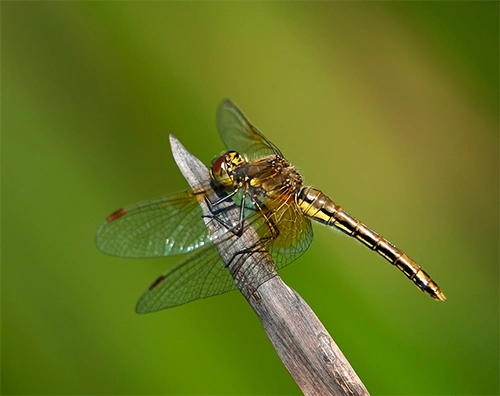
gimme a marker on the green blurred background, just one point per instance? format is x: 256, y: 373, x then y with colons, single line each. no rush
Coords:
x: 391, y: 108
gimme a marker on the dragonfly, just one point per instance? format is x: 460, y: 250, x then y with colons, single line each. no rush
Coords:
x: 270, y: 197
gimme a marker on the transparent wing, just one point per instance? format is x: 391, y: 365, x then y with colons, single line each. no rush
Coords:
x: 200, y: 276
x: 240, y: 135
x: 296, y: 235
x: 295, y: 232
x: 164, y: 226
x: 203, y: 274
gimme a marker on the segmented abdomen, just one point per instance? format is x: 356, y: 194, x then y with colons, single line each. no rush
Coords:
x: 319, y: 207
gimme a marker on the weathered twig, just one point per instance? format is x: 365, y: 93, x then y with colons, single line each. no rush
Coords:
x: 302, y: 342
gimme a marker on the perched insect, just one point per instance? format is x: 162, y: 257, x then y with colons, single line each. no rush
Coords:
x: 269, y: 192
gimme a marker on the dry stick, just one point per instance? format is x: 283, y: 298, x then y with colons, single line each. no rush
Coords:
x: 307, y: 350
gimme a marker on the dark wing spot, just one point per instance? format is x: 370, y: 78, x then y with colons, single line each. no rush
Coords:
x: 157, y: 282
x: 116, y: 215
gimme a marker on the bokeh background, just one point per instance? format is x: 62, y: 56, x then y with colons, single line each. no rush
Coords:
x: 391, y: 108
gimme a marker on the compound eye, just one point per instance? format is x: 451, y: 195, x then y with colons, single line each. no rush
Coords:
x: 219, y: 171
x: 219, y: 165
x: 222, y: 170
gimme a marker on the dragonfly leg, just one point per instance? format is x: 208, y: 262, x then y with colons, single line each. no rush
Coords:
x: 215, y: 213
x: 260, y: 246
x: 225, y: 198
x: 267, y: 216
x: 249, y: 250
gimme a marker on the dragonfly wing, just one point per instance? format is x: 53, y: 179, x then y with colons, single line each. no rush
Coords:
x: 201, y: 275
x: 239, y: 134
x: 296, y: 235
x: 164, y: 226
x: 295, y: 232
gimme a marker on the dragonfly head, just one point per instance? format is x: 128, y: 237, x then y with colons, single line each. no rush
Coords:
x: 223, y: 168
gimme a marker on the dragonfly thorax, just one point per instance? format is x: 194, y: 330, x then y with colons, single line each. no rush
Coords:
x: 223, y: 168
x: 271, y: 176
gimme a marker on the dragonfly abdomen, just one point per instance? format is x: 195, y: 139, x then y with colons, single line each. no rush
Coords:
x: 313, y: 203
